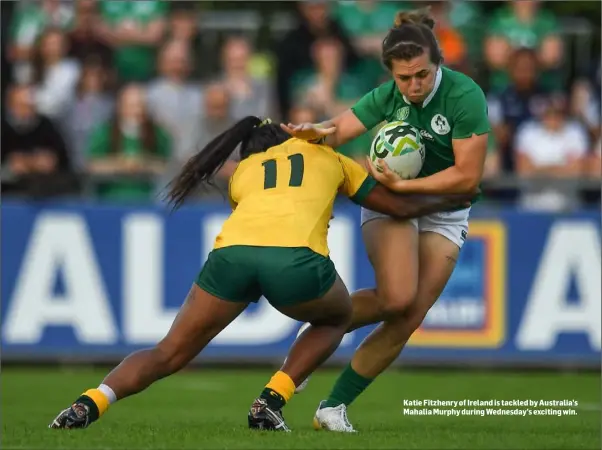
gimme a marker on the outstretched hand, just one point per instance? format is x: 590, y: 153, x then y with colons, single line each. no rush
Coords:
x: 307, y: 131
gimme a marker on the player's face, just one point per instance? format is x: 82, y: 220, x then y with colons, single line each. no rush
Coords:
x: 415, y: 77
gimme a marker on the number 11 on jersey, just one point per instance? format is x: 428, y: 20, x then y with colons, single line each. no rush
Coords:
x: 270, y: 171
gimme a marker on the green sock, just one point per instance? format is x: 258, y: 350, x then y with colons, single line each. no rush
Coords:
x: 273, y: 399
x: 348, y: 387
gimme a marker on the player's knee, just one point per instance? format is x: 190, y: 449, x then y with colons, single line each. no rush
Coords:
x: 396, y: 304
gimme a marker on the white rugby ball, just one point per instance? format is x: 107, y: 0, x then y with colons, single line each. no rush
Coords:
x: 400, y: 145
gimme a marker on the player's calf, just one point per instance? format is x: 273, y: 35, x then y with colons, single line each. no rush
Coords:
x: 304, y: 383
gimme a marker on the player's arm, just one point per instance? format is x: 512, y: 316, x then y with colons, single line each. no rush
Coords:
x: 364, y: 190
x: 408, y: 206
x: 333, y: 132
x: 346, y: 127
x: 469, y: 142
x: 368, y: 112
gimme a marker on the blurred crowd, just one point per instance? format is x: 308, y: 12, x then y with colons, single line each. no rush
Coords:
x: 107, y: 99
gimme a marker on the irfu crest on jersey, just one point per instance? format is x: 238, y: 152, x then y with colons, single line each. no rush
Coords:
x: 440, y: 125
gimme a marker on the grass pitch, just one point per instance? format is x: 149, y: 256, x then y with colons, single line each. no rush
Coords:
x: 207, y: 409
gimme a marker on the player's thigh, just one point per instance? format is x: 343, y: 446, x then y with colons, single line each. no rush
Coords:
x: 392, y: 248
x: 441, y: 238
x: 296, y: 280
x: 200, y: 319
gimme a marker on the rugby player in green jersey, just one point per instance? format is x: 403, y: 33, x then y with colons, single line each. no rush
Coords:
x: 412, y: 259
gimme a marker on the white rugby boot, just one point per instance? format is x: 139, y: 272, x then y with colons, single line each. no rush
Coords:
x: 332, y: 419
x: 303, y: 385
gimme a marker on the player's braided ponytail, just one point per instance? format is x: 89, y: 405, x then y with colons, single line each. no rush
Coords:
x: 251, y: 133
x: 411, y: 34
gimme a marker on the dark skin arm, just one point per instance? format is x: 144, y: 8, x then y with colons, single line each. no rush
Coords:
x: 405, y: 206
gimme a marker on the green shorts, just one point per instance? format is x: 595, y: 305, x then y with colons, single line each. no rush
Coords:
x: 285, y: 276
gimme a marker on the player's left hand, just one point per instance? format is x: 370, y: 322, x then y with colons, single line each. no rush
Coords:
x: 385, y: 175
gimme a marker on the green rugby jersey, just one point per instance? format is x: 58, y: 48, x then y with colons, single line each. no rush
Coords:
x: 455, y: 109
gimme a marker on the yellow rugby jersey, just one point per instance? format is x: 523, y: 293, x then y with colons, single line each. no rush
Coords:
x: 284, y: 197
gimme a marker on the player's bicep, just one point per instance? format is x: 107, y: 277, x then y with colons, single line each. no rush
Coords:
x: 470, y: 155
x: 471, y: 115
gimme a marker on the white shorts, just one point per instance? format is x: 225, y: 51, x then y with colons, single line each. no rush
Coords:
x: 453, y: 225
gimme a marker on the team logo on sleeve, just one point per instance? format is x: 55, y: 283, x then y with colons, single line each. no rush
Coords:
x: 439, y: 124
x: 403, y: 113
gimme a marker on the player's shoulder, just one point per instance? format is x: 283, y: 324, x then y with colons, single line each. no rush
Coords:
x: 459, y: 84
x: 308, y: 149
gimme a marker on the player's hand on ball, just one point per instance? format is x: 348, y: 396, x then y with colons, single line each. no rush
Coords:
x: 383, y: 174
x: 307, y: 131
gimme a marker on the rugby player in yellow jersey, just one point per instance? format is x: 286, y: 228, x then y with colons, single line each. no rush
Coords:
x: 274, y: 244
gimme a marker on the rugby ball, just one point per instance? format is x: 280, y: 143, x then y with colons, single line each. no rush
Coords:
x: 400, y: 145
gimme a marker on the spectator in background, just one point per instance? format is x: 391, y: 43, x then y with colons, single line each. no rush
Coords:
x: 294, y: 51
x: 30, y: 20
x: 521, y: 101
x: 553, y: 147
x: 54, y: 74
x: 248, y: 95
x: 134, y: 30
x: 327, y: 87
x: 173, y: 101
x: 522, y: 24
x: 367, y: 23
x: 92, y: 105
x: 594, y: 164
x: 466, y: 16
x: 585, y: 102
x: 84, y: 37
x: 303, y: 113
x: 450, y: 39
x: 130, y: 143
x: 216, y: 117
x: 33, y: 150
x: 183, y: 27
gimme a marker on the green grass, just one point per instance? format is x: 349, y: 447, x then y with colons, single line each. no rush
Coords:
x: 207, y: 409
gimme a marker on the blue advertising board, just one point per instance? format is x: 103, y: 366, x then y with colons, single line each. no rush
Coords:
x: 96, y: 281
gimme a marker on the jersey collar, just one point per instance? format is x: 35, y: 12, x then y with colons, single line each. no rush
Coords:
x: 438, y: 77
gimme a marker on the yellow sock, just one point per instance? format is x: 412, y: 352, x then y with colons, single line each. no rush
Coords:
x: 99, y: 399
x: 282, y: 384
